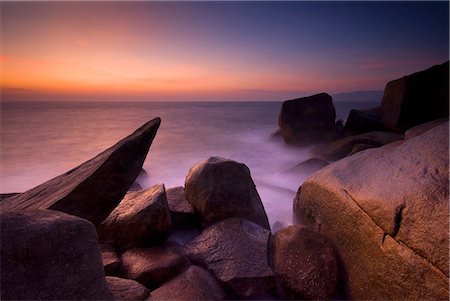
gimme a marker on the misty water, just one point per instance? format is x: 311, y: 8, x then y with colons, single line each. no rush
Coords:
x: 42, y: 140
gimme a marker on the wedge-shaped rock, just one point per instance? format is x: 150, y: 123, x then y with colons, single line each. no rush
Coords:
x: 94, y: 188
x: 50, y: 255
x: 386, y: 212
x: 127, y: 289
x: 194, y: 284
x: 236, y: 252
x: 141, y: 218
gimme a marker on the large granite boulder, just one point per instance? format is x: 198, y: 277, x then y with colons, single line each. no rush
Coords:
x: 153, y: 266
x: 127, y: 289
x: 219, y: 188
x: 305, y: 263
x: 94, y: 188
x: 307, y: 120
x: 386, y: 212
x: 416, y: 98
x: 343, y: 147
x: 141, y: 218
x: 363, y: 121
x: 236, y: 252
x: 422, y: 128
x: 194, y: 284
x: 50, y: 255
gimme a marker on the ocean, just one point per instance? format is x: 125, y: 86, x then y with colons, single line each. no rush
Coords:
x: 41, y: 140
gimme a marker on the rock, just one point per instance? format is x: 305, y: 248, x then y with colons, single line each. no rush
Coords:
x: 420, y: 129
x: 310, y: 166
x: 416, y: 98
x: 306, y: 263
x: 307, y: 120
x: 236, y: 252
x: 340, y: 148
x: 182, y: 213
x: 386, y: 212
x: 111, y: 261
x: 219, y: 188
x: 363, y: 121
x: 141, y: 218
x: 127, y: 289
x: 94, y: 188
x: 194, y: 284
x: 135, y: 186
x: 4, y: 196
x: 360, y: 147
x: 50, y: 255
x: 153, y: 266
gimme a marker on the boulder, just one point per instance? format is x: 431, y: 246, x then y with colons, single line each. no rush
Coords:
x: 305, y: 263
x: 219, y: 188
x: 307, y: 120
x: 363, y: 121
x: 94, y: 188
x: 50, y: 255
x: 127, y: 289
x: 417, y: 98
x: 111, y: 261
x: 309, y: 166
x: 343, y: 147
x: 4, y: 196
x: 141, y: 218
x: 360, y: 147
x: 194, y: 284
x: 153, y: 266
x: 236, y: 252
x: 182, y: 213
x: 386, y: 212
x: 422, y: 128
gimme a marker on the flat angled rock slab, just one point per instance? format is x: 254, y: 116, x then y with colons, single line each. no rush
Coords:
x: 95, y: 187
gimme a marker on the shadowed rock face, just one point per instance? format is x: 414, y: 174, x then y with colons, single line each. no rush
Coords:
x: 308, y: 119
x: 386, y: 212
x: 50, y: 255
x: 219, y: 188
x: 194, y: 284
x: 127, y: 289
x: 95, y: 187
x: 236, y: 252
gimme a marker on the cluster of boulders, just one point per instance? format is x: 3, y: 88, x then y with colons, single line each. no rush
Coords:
x: 72, y: 239
x: 383, y: 202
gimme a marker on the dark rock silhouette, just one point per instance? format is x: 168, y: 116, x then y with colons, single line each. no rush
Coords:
x: 386, y: 212
x: 363, y: 121
x: 307, y: 120
x: 94, y: 188
x: 50, y: 255
x: 417, y: 98
x: 219, y: 188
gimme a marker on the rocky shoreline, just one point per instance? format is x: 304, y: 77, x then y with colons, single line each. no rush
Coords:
x: 371, y: 222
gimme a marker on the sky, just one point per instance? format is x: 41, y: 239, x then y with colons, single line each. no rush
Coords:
x: 214, y: 51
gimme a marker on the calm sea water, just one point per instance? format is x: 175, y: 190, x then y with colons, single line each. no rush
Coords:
x: 42, y: 140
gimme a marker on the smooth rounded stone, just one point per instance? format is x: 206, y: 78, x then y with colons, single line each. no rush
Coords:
x: 141, y: 218
x: 422, y: 128
x: 181, y: 211
x: 50, y: 255
x: 127, y: 289
x: 386, y: 212
x: 310, y: 166
x: 111, y: 262
x: 416, y: 98
x: 236, y: 252
x: 220, y: 188
x: 153, y: 266
x: 343, y: 147
x: 194, y: 284
x: 94, y: 188
x: 307, y: 120
x: 364, y: 121
x: 305, y: 263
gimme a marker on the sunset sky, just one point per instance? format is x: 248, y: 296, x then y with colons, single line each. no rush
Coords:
x: 218, y: 51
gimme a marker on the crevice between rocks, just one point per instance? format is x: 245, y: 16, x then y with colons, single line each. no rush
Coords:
x: 397, y: 220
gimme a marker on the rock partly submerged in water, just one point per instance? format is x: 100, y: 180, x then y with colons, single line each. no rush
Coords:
x: 305, y: 263
x: 127, y: 289
x: 236, y: 252
x: 141, y: 218
x: 386, y: 212
x: 219, y: 188
x: 50, y: 255
x: 307, y: 120
x: 94, y: 188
